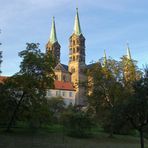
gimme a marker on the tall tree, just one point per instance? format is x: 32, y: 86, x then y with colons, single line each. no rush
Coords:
x: 36, y: 75
x: 136, y: 108
x: 106, y: 89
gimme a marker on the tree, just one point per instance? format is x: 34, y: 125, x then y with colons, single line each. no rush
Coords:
x: 77, y: 123
x: 136, y: 108
x: 29, y: 85
x: 56, y: 106
x: 7, y: 101
x: 106, y: 91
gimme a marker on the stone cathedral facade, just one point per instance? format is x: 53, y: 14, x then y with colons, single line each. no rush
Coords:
x: 73, y: 72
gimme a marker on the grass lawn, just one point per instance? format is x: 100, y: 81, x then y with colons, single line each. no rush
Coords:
x: 49, y: 139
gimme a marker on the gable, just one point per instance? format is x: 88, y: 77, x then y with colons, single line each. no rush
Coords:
x: 61, y: 67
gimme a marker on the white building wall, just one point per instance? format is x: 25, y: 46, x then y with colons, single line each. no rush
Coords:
x: 68, y: 96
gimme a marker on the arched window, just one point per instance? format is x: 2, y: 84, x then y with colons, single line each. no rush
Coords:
x: 70, y: 59
x: 70, y: 42
x: 70, y: 51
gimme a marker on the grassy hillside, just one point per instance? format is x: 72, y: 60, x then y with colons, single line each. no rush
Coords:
x: 45, y: 139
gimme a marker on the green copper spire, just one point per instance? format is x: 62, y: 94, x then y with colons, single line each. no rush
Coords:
x: 53, y: 36
x: 128, y: 52
x: 77, y: 27
x: 105, y: 59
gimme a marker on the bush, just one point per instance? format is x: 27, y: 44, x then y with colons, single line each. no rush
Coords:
x: 114, y: 122
x: 77, y: 124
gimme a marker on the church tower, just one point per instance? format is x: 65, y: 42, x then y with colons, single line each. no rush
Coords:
x: 77, y: 60
x: 105, y: 59
x: 129, y: 67
x: 53, y: 47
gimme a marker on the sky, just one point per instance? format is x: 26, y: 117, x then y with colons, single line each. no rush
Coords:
x: 106, y: 24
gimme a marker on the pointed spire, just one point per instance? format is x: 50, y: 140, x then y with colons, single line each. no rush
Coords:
x: 128, y: 52
x: 105, y: 59
x: 77, y: 27
x: 53, y: 36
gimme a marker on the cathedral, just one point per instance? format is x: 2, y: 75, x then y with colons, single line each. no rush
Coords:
x: 73, y: 73
x: 69, y: 78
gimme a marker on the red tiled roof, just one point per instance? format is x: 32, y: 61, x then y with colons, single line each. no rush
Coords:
x: 58, y: 84
x: 63, y: 85
x: 3, y: 78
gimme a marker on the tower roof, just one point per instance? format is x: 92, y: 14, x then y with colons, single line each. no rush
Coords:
x: 77, y: 27
x: 105, y: 59
x: 53, y: 36
x: 128, y: 52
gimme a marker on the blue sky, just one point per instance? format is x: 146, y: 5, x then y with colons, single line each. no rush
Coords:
x: 106, y: 24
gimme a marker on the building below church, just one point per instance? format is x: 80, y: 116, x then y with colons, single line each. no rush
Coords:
x: 64, y: 90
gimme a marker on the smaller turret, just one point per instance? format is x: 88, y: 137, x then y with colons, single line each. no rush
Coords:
x: 105, y: 59
x: 128, y: 52
x: 77, y: 27
x: 129, y: 67
x: 53, y: 47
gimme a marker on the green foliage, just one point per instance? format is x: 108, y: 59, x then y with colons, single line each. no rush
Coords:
x: 115, y: 121
x: 27, y: 88
x: 137, y: 105
x: 77, y: 123
x: 106, y: 91
x: 115, y: 102
x: 134, y: 110
x: 37, y: 114
x: 36, y: 68
x: 7, y: 102
x: 56, y: 106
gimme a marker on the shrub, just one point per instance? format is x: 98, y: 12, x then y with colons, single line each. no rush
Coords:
x: 77, y: 124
